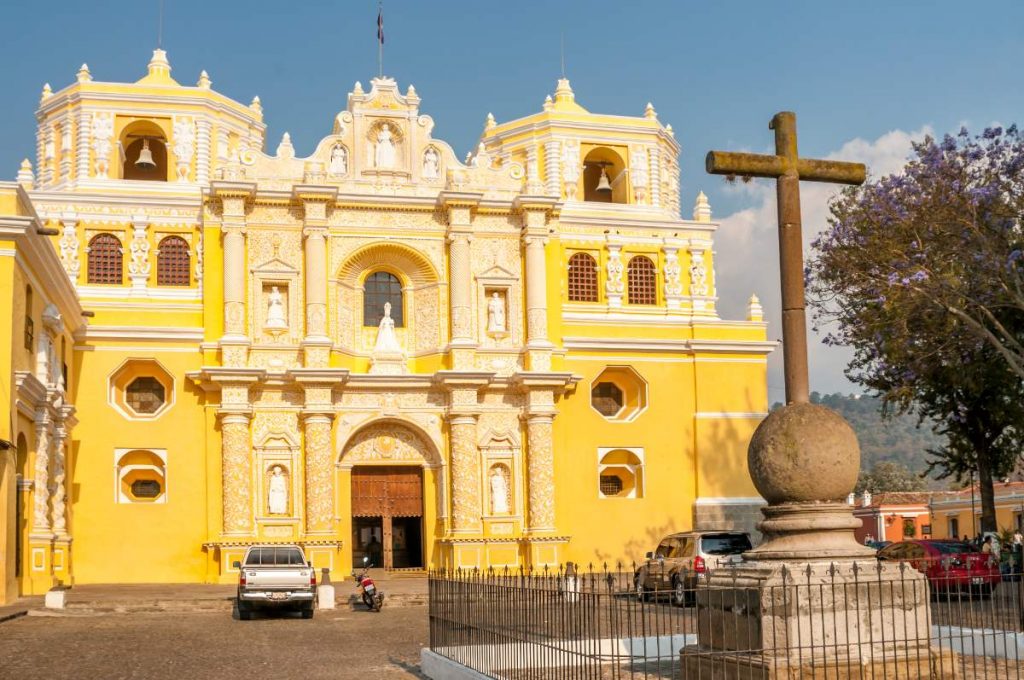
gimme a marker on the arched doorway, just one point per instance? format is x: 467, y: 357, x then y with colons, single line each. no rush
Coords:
x: 389, y: 462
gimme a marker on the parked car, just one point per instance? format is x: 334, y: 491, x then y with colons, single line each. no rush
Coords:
x: 951, y: 566
x: 682, y: 558
x: 275, y: 576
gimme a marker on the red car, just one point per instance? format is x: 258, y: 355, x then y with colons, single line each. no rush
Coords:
x: 951, y: 566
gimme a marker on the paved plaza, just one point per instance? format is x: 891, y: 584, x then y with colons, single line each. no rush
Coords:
x: 335, y: 644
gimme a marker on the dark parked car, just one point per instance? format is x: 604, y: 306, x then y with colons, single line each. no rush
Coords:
x: 680, y: 560
x: 951, y: 566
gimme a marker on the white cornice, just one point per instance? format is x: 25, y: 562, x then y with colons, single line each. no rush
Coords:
x: 730, y: 415
x: 726, y: 500
x: 136, y: 333
x: 668, y: 345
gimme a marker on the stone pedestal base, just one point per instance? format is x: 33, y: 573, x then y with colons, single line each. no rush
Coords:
x: 818, y: 619
x: 388, y: 364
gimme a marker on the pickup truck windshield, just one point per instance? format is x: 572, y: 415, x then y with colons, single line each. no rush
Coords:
x: 274, y: 557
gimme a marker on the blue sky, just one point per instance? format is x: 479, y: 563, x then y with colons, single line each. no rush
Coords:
x: 864, y: 77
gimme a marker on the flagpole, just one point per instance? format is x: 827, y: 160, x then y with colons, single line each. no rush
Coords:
x: 380, y: 39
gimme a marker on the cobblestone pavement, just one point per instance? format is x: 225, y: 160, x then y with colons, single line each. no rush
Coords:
x: 194, y: 646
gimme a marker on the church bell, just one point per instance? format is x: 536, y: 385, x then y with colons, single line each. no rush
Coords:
x: 602, y: 183
x: 145, y: 160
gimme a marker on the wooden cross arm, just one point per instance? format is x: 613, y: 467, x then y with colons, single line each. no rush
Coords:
x: 760, y: 165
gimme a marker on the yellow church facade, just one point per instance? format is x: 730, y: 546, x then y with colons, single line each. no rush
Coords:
x: 375, y: 350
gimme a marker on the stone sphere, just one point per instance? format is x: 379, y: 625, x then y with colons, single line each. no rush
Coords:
x: 804, y: 452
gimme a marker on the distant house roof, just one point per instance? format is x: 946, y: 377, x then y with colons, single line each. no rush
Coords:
x: 1000, y: 489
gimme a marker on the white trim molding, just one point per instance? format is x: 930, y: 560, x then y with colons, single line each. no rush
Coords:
x: 730, y: 415
x: 726, y: 500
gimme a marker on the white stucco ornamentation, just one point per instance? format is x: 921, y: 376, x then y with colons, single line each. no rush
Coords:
x: 40, y: 505
x: 102, y: 145
x: 638, y: 173
x: 570, y: 168
x: 184, y: 146
x: 139, y: 265
x: 698, y: 273
x: 431, y: 164
x: 199, y: 259
x: 237, y: 475
x: 614, y: 285
x: 69, y: 247
x: 673, y: 278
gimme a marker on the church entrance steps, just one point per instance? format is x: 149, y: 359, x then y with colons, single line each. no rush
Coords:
x: 403, y: 591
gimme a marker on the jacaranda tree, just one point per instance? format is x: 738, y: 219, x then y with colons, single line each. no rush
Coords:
x: 921, y: 273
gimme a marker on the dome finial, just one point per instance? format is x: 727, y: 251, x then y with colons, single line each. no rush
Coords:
x: 701, y: 208
x: 491, y: 123
x: 83, y: 74
x: 257, y: 106
x: 649, y: 112
x: 285, y: 148
x: 204, y: 80
x: 25, y: 177
x: 47, y: 92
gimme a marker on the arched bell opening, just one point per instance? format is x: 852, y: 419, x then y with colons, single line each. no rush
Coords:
x: 604, y: 177
x: 144, y: 152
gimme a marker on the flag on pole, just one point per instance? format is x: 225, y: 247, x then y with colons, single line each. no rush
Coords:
x: 380, y: 24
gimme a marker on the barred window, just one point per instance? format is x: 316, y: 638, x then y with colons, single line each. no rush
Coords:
x: 105, y: 264
x: 610, y: 485
x: 607, y: 398
x: 173, y: 262
x: 145, y: 395
x: 378, y: 289
x: 582, y: 278
x: 641, y: 280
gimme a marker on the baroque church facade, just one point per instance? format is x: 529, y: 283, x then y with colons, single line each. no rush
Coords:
x: 376, y: 350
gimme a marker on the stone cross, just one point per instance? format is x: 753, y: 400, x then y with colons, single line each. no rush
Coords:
x: 788, y: 169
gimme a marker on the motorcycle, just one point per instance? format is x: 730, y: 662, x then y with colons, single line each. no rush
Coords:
x: 372, y: 596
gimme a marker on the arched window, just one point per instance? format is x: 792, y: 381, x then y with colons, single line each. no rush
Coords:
x: 105, y: 264
x: 378, y: 289
x: 173, y: 262
x: 582, y: 278
x: 642, y: 281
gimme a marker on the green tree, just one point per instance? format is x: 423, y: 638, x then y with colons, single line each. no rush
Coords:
x: 887, y: 476
x: 921, y: 274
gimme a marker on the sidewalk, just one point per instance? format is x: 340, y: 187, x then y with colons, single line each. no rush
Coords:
x: 400, y: 590
x: 20, y: 607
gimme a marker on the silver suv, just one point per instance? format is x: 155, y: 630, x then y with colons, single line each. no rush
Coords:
x: 682, y: 558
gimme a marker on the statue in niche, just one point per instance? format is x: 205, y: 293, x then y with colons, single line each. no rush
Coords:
x: 339, y: 161
x: 384, y: 156
x: 387, y: 340
x: 499, y: 491
x: 431, y: 164
x: 276, y: 320
x: 496, y: 313
x: 277, y: 492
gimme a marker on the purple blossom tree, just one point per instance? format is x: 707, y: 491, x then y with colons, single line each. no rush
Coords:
x: 921, y: 273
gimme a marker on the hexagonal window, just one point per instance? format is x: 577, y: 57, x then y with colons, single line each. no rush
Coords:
x: 141, y: 389
x: 619, y: 393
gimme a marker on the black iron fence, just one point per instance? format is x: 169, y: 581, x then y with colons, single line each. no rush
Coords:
x: 946, y: 618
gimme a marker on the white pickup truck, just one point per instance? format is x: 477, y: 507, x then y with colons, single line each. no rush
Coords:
x: 277, y: 576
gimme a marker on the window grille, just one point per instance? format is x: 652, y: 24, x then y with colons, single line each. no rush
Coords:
x: 379, y: 288
x: 105, y: 261
x: 641, y: 280
x: 145, y: 395
x: 611, y: 485
x: 582, y: 278
x: 606, y: 398
x: 173, y: 262
x: 145, y: 488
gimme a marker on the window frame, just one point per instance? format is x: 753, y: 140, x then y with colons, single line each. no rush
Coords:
x: 98, y: 272
x: 372, y: 319
x: 642, y: 282
x: 169, y: 272
x: 579, y: 277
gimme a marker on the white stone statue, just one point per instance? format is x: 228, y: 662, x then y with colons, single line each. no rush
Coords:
x: 387, y: 340
x: 277, y: 492
x: 496, y: 314
x: 339, y: 161
x: 275, y: 311
x: 385, y: 151
x: 499, y: 492
x: 431, y: 164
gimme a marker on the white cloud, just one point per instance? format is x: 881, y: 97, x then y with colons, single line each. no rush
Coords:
x: 747, y: 252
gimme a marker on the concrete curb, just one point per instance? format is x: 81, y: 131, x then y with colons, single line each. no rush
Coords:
x: 10, y: 616
x: 206, y: 605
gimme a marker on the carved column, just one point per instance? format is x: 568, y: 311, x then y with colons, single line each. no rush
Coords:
x: 553, y: 168
x: 49, y: 155
x: 541, y: 472
x: 139, y: 265
x: 535, y: 211
x: 66, y: 144
x: 319, y: 474
x: 202, y: 151
x: 460, y: 229
x: 41, y: 496
x: 315, y: 201
x: 84, y: 143
x: 59, y: 509
x: 655, y: 178
x: 236, y: 473
x: 466, y: 507
x: 69, y: 246
x: 234, y: 197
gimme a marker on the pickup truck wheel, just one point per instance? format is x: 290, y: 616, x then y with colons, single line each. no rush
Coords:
x: 307, y: 612
x: 244, y: 611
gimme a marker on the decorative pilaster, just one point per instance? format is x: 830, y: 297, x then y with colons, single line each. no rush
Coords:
x: 41, y: 497
x: 82, y: 152
x: 184, y: 146
x: 654, y: 181
x: 102, y: 144
x: 69, y: 246
x: 638, y: 174
x: 66, y: 144
x: 541, y: 472
x: 673, y: 274
x: 315, y: 201
x: 700, y: 290
x: 614, y: 285
x: 139, y: 265
x: 460, y: 208
x: 59, y: 489
x: 536, y: 211
x: 234, y: 197
x: 553, y: 168
x: 203, y: 151
x: 319, y: 474
x: 571, y: 169
x: 200, y: 244
x: 466, y: 505
x: 236, y: 474
x: 533, y: 183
